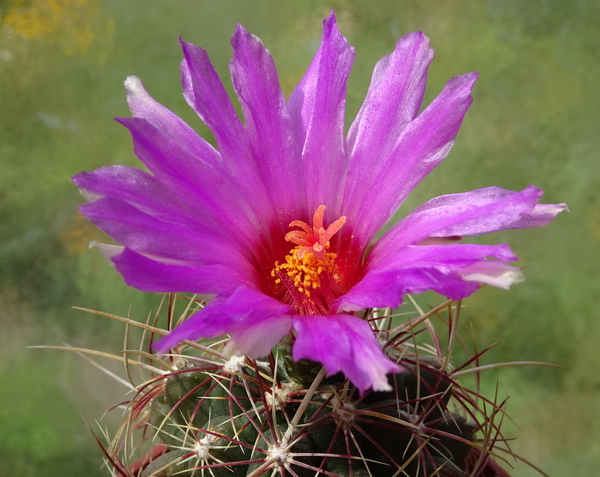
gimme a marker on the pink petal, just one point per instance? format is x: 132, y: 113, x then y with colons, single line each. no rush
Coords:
x: 467, y: 214
x: 268, y: 124
x: 243, y: 314
x: 344, y: 343
x: 420, y: 268
x: 191, y: 244
x: 455, y: 256
x: 143, y: 106
x: 258, y: 340
x: 146, y: 274
x: 393, y: 101
x: 423, y: 144
x: 207, y: 189
x: 205, y: 93
x: 317, y: 108
x: 138, y: 188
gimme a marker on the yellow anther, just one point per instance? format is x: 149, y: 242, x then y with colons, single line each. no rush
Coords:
x: 306, y: 271
x: 308, y: 277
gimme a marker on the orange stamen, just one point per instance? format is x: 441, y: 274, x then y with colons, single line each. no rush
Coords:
x: 308, y: 278
x: 316, y: 239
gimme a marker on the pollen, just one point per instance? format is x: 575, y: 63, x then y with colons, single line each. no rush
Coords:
x: 309, y: 275
x: 305, y: 270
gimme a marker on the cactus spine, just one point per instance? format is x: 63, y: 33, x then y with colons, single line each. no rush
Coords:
x: 200, y: 413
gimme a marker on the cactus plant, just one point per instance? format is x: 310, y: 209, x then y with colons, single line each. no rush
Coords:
x: 346, y: 389
x: 201, y: 413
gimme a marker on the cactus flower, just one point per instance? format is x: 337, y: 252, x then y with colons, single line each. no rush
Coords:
x: 278, y: 222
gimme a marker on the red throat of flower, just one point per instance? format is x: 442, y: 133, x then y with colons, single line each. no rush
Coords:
x: 309, y: 279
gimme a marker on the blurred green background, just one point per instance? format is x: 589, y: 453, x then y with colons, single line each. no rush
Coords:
x: 535, y: 119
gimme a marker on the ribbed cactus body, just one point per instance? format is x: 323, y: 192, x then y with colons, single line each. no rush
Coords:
x: 238, y: 422
x: 207, y: 415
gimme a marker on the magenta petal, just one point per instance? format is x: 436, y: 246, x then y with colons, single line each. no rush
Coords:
x: 143, y: 106
x: 258, y: 340
x: 207, y: 189
x: 419, y: 268
x: 540, y: 216
x: 344, y: 343
x: 241, y: 314
x: 423, y: 144
x: 386, y: 289
x: 168, y: 146
x: 454, y: 255
x: 205, y: 93
x: 135, y: 187
x: 191, y: 244
x: 146, y: 274
x: 484, y: 211
x: 317, y: 108
x: 177, y: 167
x: 470, y: 213
x: 268, y: 124
x: 393, y: 101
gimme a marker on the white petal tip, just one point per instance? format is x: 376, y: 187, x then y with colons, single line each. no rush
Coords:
x: 504, y: 280
x: 382, y: 385
x: 90, y: 196
x: 109, y: 251
x: 133, y: 84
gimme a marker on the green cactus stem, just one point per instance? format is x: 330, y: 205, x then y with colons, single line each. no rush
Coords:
x: 206, y: 415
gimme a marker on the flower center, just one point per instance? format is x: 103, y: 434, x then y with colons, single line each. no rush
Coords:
x: 308, y: 279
